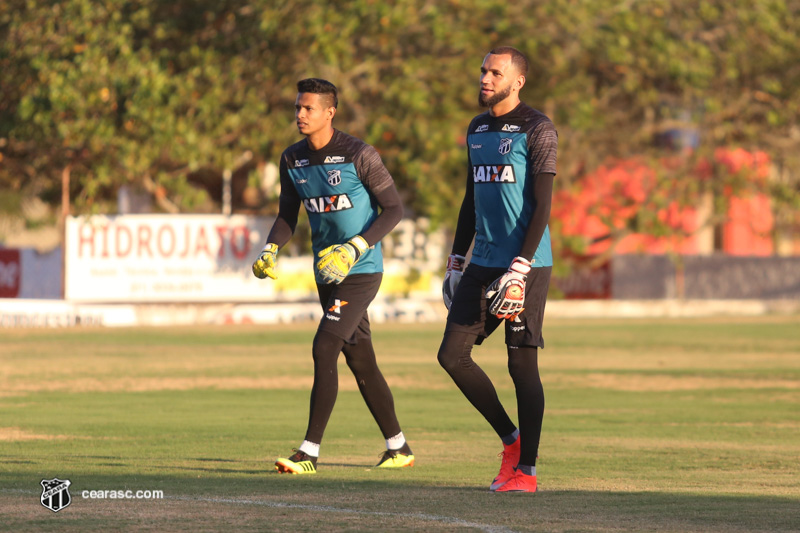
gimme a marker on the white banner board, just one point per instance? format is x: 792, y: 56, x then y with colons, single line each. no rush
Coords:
x: 208, y: 258
x: 167, y: 258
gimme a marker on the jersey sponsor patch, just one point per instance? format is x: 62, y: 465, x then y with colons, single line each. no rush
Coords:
x: 493, y: 173
x: 301, y: 163
x: 510, y: 127
x: 327, y: 204
x: 482, y: 128
x: 334, y: 159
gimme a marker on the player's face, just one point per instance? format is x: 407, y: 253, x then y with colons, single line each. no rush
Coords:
x: 497, y: 78
x: 312, y: 113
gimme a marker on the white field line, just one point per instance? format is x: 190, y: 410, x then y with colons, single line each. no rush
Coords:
x: 324, y: 508
x: 488, y: 528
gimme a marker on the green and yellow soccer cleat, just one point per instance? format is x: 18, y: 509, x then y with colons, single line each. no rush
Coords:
x: 397, y: 458
x: 299, y: 463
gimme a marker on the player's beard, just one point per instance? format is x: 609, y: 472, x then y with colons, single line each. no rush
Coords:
x: 495, y: 99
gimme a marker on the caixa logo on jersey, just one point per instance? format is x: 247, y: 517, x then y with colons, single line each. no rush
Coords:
x: 493, y: 174
x: 327, y: 204
x: 334, y: 177
x: 55, y: 494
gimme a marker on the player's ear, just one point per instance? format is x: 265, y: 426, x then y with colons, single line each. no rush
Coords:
x: 520, y: 82
x: 331, y: 112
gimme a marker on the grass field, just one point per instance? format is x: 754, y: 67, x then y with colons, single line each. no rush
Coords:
x: 668, y: 425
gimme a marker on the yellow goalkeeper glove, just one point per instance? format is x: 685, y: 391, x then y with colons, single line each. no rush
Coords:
x: 265, y: 263
x: 337, y: 260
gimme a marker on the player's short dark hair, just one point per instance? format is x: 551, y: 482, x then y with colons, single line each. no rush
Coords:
x: 319, y: 86
x: 518, y: 59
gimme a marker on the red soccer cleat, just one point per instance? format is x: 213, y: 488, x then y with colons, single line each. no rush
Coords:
x: 519, y: 483
x: 510, y: 456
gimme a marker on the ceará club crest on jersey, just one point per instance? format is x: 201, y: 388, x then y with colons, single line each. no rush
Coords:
x: 334, y: 177
x: 505, y: 146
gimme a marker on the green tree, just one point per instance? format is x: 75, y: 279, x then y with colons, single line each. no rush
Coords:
x: 166, y: 96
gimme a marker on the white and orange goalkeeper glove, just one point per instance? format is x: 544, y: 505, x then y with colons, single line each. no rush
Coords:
x: 337, y: 260
x: 455, y: 269
x: 265, y: 264
x: 506, y: 294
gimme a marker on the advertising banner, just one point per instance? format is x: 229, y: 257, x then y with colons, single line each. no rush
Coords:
x: 208, y: 258
x: 10, y: 273
x: 166, y: 258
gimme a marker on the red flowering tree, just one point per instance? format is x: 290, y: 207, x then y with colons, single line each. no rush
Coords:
x: 627, y: 206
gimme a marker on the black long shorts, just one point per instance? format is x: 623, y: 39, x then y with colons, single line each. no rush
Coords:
x: 344, y: 306
x: 469, y: 309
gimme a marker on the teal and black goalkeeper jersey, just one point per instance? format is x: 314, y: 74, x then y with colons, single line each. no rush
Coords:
x: 505, y: 155
x: 336, y: 184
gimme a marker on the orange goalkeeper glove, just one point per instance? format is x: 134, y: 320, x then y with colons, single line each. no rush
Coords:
x: 507, y: 293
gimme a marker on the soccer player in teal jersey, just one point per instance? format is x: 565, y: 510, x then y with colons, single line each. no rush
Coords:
x: 352, y: 203
x: 512, y: 164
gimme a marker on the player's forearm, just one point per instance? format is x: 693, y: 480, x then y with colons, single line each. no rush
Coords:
x: 288, y: 210
x: 286, y: 223
x: 391, y: 213
x: 543, y: 190
x: 281, y: 231
x: 465, y: 228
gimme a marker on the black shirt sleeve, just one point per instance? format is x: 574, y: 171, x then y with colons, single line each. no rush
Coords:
x: 391, y: 213
x: 288, y: 210
x: 543, y: 191
x: 465, y: 228
x: 371, y: 170
x: 379, y: 183
x: 542, y: 152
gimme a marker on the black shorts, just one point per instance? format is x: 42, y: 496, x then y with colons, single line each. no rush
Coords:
x: 469, y: 309
x: 344, y: 306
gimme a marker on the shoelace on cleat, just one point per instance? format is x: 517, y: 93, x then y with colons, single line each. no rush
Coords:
x: 388, y: 454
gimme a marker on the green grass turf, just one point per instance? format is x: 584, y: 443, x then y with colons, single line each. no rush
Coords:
x: 651, y: 425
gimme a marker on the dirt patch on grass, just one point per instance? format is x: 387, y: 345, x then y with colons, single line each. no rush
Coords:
x: 665, y: 383
x: 147, y: 384
x: 193, y: 514
x: 19, y: 434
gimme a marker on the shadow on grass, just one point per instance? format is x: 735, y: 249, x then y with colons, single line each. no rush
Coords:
x: 300, y: 502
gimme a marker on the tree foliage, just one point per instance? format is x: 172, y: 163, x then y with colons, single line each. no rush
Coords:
x: 165, y: 95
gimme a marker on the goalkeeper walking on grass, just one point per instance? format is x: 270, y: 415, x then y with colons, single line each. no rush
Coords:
x: 512, y: 164
x: 342, y: 182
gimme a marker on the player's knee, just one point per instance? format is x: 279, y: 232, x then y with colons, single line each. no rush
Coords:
x: 453, y: 354
x: 445, y: 360
x: 361, y: 367
x: 522, y: 362
x: 326, y: 347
